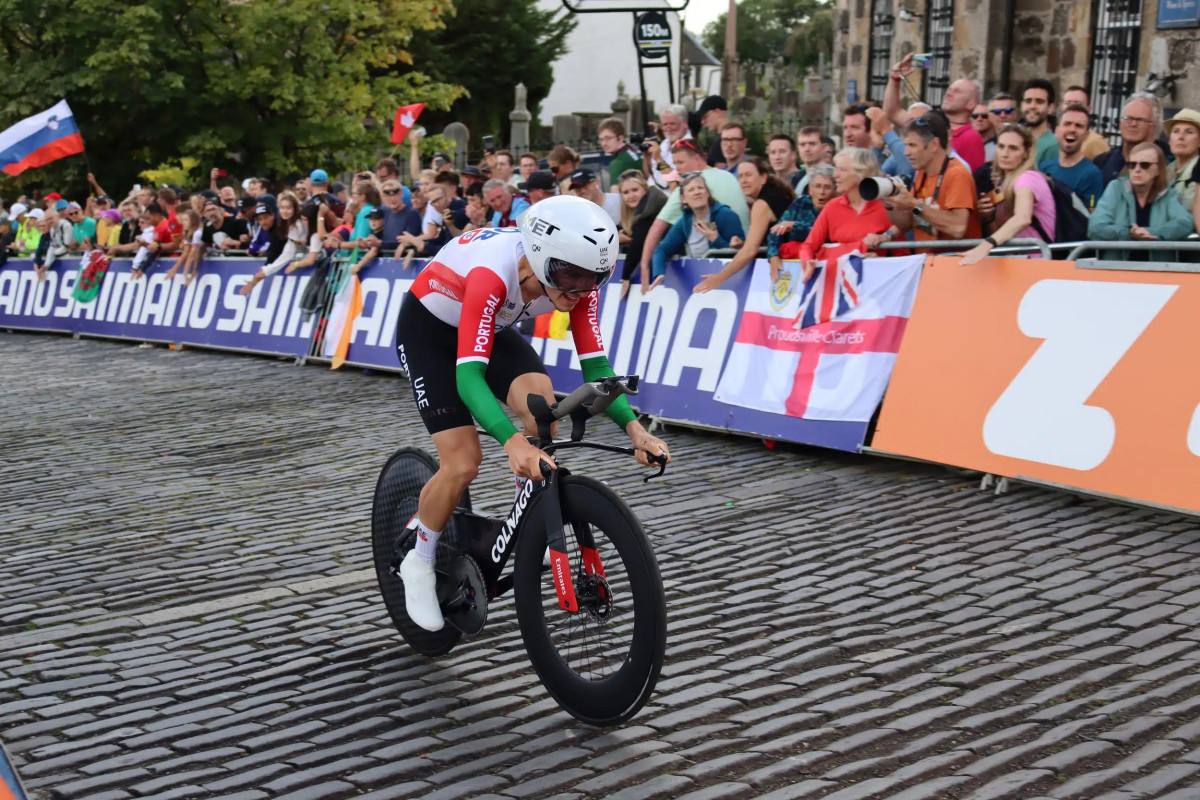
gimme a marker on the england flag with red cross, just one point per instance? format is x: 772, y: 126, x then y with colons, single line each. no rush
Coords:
x: 821, y: 348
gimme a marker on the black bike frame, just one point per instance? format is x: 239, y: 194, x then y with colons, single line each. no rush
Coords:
x: 491, y: 542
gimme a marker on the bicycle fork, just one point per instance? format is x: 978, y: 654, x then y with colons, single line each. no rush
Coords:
x: 556, y: 541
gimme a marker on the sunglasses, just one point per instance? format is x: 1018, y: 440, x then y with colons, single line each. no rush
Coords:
x: 687, y: 176
x: 999, y: 111
x: 1145, y: 166
x: 979, y: 116
x: 391, y: 192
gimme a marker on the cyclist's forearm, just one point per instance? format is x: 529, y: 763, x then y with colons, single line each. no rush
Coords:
x: 474, y: 391
x: 619, y: 411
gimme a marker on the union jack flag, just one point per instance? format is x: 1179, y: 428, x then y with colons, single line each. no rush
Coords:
x: 832, y: 289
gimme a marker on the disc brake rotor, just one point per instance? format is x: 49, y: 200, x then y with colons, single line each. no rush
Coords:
x: 594, y: 596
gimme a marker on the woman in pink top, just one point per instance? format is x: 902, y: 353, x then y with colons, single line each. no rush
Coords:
x: 1022, y: 207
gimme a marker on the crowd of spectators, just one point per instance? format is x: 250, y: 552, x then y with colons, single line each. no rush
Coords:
x: 1018, y: 165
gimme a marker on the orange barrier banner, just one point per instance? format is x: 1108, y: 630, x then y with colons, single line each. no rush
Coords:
x: 1087, y: 378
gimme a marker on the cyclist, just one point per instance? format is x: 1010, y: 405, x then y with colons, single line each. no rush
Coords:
x: 455, y: 337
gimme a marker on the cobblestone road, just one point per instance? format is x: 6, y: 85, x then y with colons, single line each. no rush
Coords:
x: 188, y: 611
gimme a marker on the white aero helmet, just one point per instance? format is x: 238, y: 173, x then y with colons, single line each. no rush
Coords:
x: 570, y: 242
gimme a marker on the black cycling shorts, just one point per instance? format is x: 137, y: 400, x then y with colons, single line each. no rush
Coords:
x: 428, y: 351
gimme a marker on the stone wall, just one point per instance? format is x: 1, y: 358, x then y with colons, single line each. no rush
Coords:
x: 1171, y: 52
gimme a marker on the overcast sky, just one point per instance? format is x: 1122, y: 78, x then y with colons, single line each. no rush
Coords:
x: 701, y: 12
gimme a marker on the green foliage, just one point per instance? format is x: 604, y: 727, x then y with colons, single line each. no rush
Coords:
x: 794, y: 29
x: 254, y: 86
x: 185, y: 173
x: 489, y: 46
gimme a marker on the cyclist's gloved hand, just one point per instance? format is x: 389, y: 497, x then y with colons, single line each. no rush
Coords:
x: 647, y: 445
x: 524, y: 459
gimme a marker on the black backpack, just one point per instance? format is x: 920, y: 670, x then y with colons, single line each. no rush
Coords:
x: 1071, y: 215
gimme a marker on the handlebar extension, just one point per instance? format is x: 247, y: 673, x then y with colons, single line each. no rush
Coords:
x: 582, y: 404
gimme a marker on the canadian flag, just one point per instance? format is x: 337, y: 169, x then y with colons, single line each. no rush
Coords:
x: 821, y: 348
x: 406, y: 117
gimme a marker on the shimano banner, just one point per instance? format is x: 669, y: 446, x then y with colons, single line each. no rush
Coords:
x: 677, y: 341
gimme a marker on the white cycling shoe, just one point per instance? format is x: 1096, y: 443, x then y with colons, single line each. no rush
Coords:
x: 420, y: 592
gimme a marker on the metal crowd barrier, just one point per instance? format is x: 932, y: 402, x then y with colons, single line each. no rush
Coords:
x: 1190, y: 245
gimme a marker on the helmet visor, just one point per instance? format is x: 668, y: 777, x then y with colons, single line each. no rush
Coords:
x: 567, y: 277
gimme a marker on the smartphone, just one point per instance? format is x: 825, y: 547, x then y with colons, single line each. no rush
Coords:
x: 489, y: 143
x: 921, y: 60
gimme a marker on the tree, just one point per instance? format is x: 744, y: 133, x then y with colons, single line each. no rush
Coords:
x: 794, y: 29
x: 489, y: 46
x: 255, y: 86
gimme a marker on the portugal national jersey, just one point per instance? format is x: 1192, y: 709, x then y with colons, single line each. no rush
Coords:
x: 473, y: 284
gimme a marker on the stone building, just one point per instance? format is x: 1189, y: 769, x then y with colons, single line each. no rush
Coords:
x: 1110, y: 46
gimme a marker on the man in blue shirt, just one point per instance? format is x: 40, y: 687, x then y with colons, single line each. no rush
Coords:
x: 398, y: 217
x: 506, y: 206
x: 1070, y: 168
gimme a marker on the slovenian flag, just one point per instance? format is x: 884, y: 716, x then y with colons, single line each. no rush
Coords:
x: 40, y: 139
x: 821, y: 348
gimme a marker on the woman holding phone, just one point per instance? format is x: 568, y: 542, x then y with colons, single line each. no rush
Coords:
x: 705, y: 225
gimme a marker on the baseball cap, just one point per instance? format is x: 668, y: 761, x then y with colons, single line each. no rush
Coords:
x: 17, y: 209
x: 581, y: 177
x: 688, y: 144
x: 212, y: 201
x: 319, y: 176
x: 375, y: 213
x: 37, y: 213
x: 263, y: 208
x: 246, y: 201
x: 61, y: 205
x: 73, y: 206
x: 538, y: 180
x: 406, y: 193
x: 442, y: 155
x: 337, y: 187
x: 103, y: 198
x: 471, y: 171
x: 714, y: 102
x: 54, y: 196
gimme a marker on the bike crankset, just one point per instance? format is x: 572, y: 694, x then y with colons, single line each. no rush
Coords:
x: 463, y: 595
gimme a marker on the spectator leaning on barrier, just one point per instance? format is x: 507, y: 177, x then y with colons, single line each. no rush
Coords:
x: 624, y: 156
x: 83, y: 229
x: 506, y: 207
x: 733, y: 145
x: 1183, y: 135
x: 583, y: 183
x: 799, y: 217
x: 1141, y: 207
x: 712, y: 115
x: 1095, y: 144
x: 189, y: 255
x: 781, y: 154
x: 453, y: 210
x: 1070, y: 168
x: 1139, y: 124
x: 768, y: 197
x: 812, y: 152
x: 398, y: 218
x: 722, y: 185
x: 221, y: 230
x: 704, y: 224
x: 1037, y: 108
x: 941, y: 204
x: 981, y: 121
x: 1022, y: 205
x: 847, y: 218
x: 288, y: 235
x: 640, y: 204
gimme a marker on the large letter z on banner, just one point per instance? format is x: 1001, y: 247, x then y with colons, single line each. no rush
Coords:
x: 1087, y: 328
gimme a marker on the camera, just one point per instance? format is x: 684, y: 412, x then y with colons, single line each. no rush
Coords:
x: 875, y: 188
x: 642, y: 141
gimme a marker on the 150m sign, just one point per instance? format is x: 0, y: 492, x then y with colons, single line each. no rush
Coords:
x: 652, y: 34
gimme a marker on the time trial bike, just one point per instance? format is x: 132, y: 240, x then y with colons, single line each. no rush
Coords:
x: 594, y: 620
